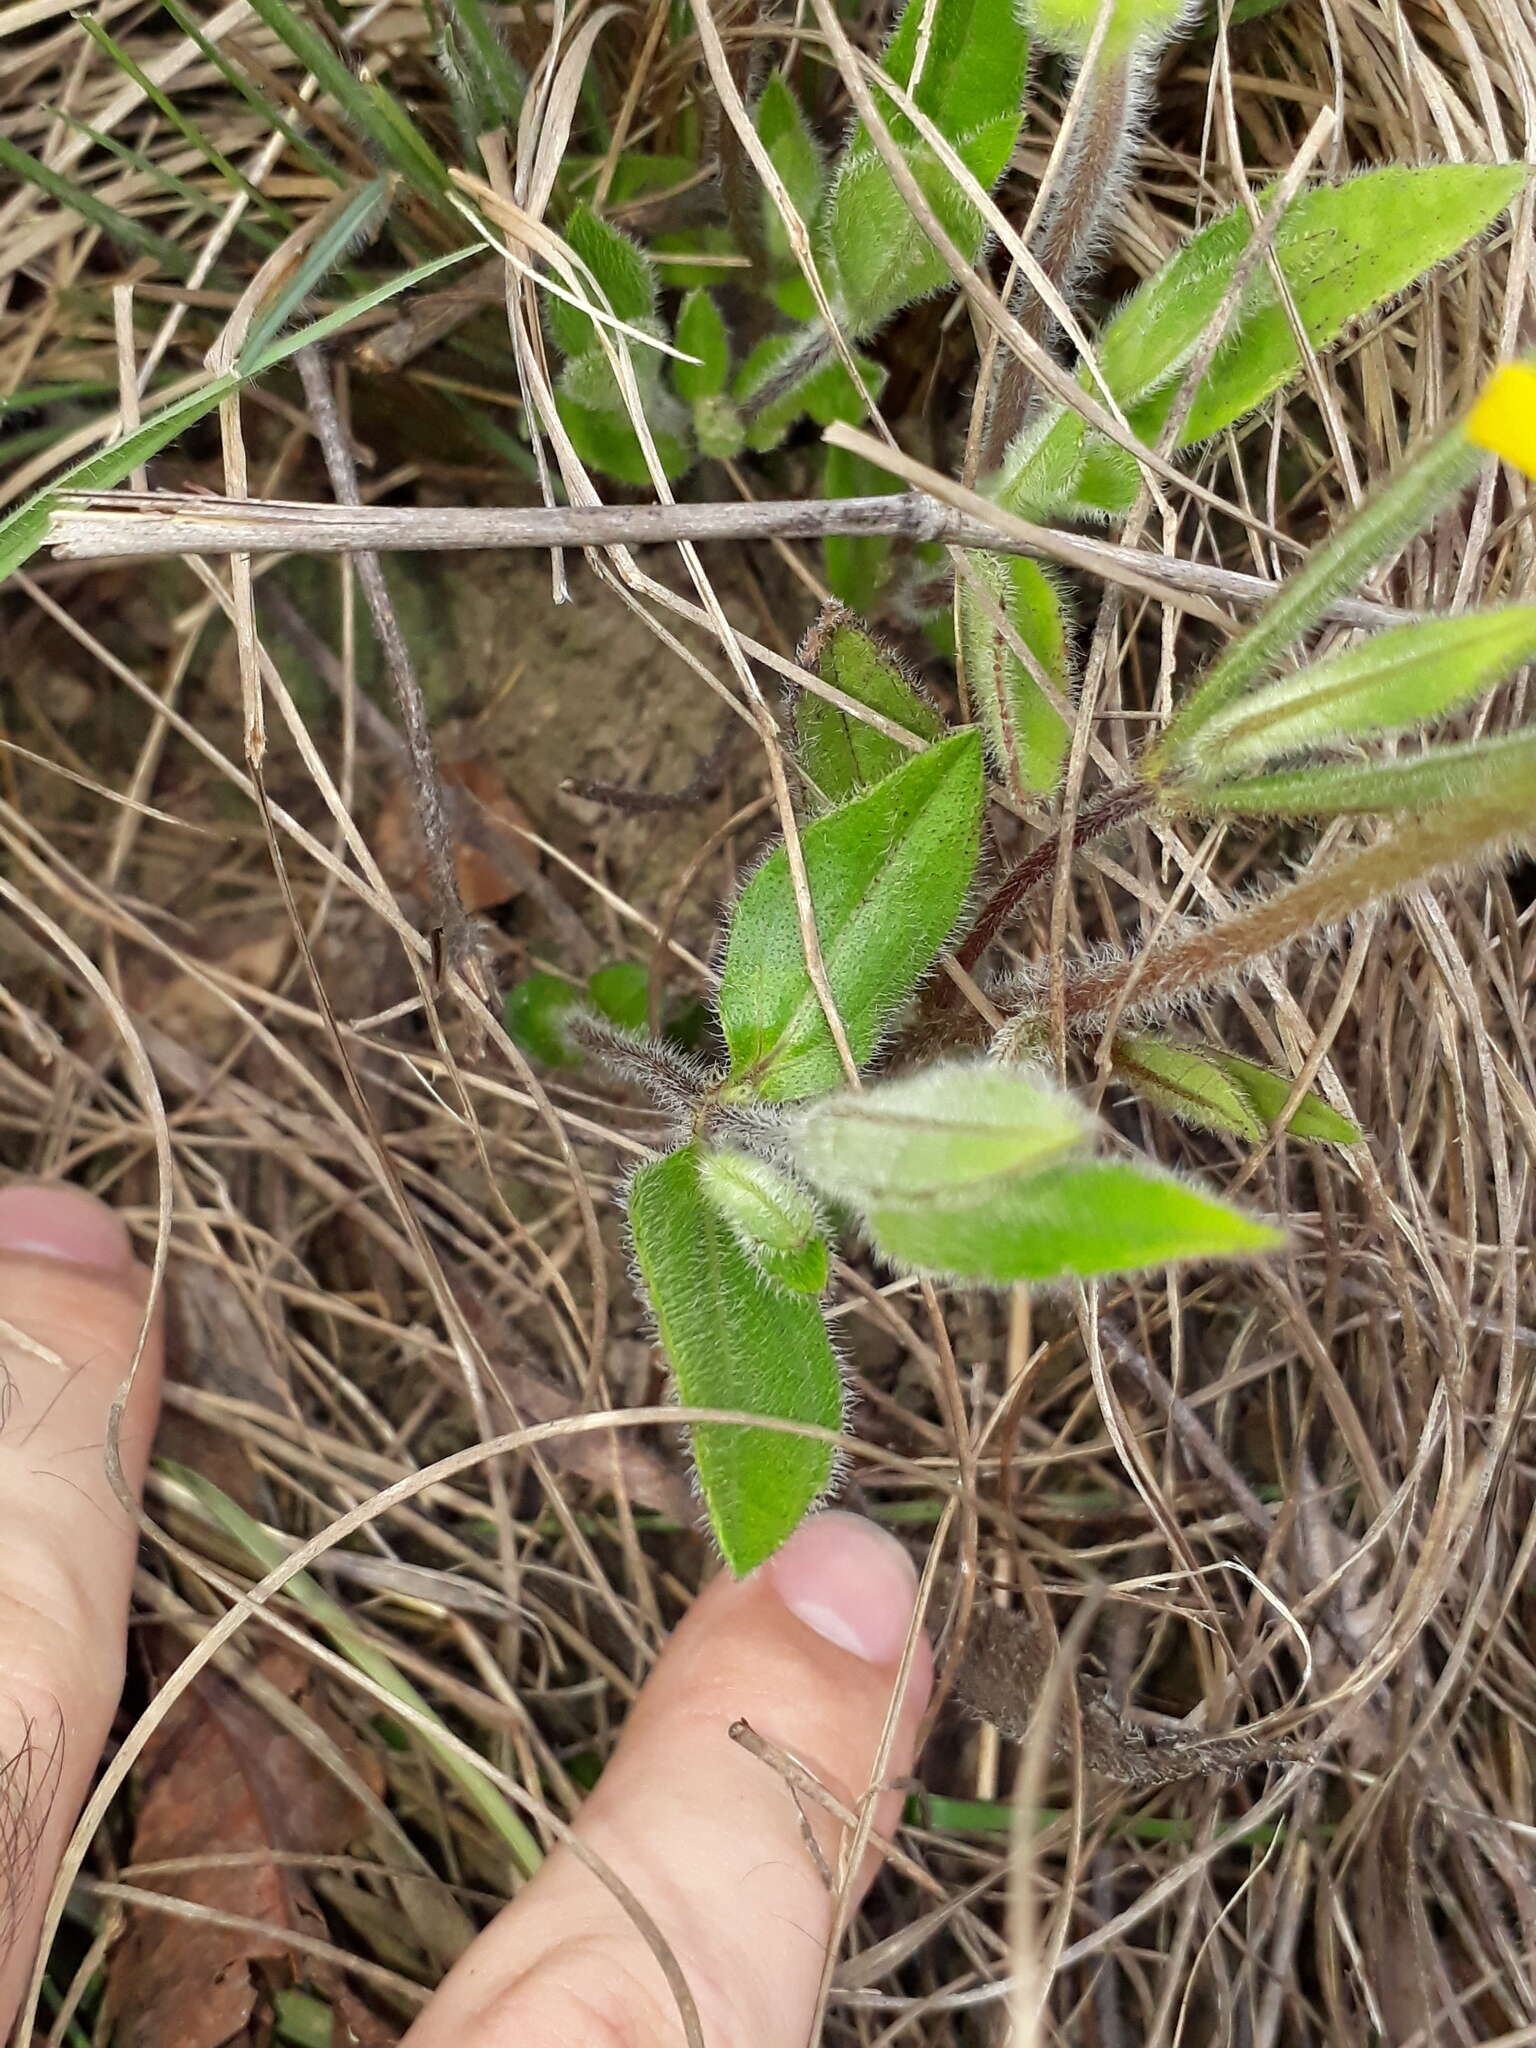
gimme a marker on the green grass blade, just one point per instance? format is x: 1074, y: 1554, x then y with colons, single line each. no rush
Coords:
x: 267, y: 1552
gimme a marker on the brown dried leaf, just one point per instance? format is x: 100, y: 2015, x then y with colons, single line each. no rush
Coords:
x: 221, y: 1778
x: 484, y: 883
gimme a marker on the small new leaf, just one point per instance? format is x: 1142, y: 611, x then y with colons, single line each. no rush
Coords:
x: 1399, y: 679
x: 1077, y: 1220
x: 839, y: 752
x: 1027, y: 737
x: 1418, y: 782
x: 888, y: 874
x: 701, y: 332
x: 948, y: 1134
x: 1218, y: 1091
x: 775, y: 1221
x: 623, y: 274
x: 735, y: 1342
x: 795, y: 155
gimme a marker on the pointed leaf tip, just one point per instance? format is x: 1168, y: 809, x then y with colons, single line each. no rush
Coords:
x: 735, y: 1342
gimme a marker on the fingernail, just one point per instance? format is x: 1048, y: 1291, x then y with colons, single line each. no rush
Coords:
x: 52, y: 1220
x: 850, y: 1582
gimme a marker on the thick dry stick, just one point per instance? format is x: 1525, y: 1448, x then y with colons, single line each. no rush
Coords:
x: 427, y: 786
x: 115, y: 525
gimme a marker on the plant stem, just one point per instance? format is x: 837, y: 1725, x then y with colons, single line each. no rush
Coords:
x: 1037, y: 867
x: 426, y: 782
x: 1091, y: 177
x: 1212, y: 954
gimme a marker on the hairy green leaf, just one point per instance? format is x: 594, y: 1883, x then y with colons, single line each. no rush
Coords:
x: 1076, y: 1220
x: 1217, y: 1091
x: 1399, y: 679
x: 880, y: 255
x: 962, y: 61
x: 952, y: 1132
x: 774, y: 1220
x: 888, y: 874
x: 624, y: 276
x: 1416, y: 782
x: 855, y: 566
x: 1402, y: 508
x: 533, y: 1010
x: 621, y: 992
x: 701, y: 332
x: 735, y: 1342
x: 795, y: 155
x: 841, y: 754
x: 1027, y: 737
x: 1068, y: 25
x: 593, y: 411
x: 1342, y: 249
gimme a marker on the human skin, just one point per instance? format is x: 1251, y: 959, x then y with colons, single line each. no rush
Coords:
x: 707, y: 1837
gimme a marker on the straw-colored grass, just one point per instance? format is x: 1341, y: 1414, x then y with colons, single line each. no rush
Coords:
x: 389, y: 1242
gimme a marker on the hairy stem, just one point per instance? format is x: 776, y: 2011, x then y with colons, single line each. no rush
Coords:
x: 1212, y: 954
x: 1037, y: 867
x: 1090, y: 179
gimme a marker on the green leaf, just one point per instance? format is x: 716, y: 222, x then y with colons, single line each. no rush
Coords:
x: 880, y: 255
x: 624, y: 276
x: 787, y: 376
x: 840, y: 753
x: 888, y: 875
x: 1399, y: 679
x: 1027, y: 737
x: 1067, y: 26
x: 736, y: 1342
x: 532, y: 1011
x: 622, y: 992
x: 969, y: 58
x: 952, y: 1133
x: 1077, y: 1220
x: 964, y: 63
x: 773, y: 1218
x: 592, y: 408
x: 701, y: 332
x: 855, y: 566
x: 796, y: 156
x: 1343, y: 250
x: 1417, y: 782
x: 1391, y: 516
x: 1217, y: 1091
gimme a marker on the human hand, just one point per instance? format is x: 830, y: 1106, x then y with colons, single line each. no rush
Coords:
x: 702, y: 1833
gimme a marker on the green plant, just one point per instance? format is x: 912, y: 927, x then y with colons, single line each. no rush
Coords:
x: 841, y: 1103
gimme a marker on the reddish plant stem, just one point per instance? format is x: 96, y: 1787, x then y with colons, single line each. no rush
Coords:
x: 1037, y: 868
x: 1211, y: 954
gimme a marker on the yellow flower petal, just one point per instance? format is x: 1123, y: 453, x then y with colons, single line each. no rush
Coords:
x: 1504, y: 419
